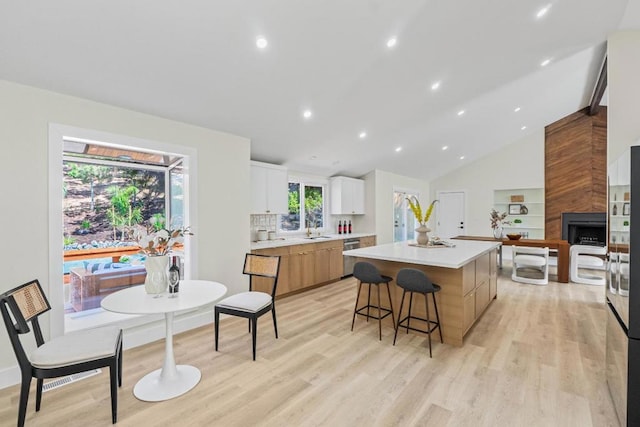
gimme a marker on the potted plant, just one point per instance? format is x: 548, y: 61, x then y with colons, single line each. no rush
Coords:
x: 414, y: 205
x: 497, y: 221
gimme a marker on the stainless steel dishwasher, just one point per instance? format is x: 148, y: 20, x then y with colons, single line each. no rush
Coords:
x: 349, y: 261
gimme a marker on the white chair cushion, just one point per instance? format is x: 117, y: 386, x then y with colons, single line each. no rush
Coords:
x: 77, y: 347
x: 533, y: 260
x: 587, y: 261
x: 246, y: 301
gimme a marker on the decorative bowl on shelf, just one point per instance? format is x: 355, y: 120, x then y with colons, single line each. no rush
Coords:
x: 513, y: 236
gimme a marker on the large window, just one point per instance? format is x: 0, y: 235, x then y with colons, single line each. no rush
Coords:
x: 110, y: 194
x: 306, y: 207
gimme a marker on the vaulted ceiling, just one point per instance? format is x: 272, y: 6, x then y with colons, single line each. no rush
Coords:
x: 198, y: 62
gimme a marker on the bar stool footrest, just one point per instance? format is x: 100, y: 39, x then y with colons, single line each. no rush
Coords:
x: 435, y: 324
x: 373, y: 307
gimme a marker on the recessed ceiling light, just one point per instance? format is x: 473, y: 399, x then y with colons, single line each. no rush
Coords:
x: 392, y: 42
x: 543, y: 11
x: 307, y: 114
x: 516, y: 109
x: 461, y: 157
x: 261, y: 42
x: 461, y: 112
x: 435, y: 86
x: 545, y: 62
x: 523, y: 128
x: 444, y: 147
x: 398, y: 149
x: 362, y: 135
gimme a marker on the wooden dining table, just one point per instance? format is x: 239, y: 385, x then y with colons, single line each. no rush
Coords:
x: 560, y: 246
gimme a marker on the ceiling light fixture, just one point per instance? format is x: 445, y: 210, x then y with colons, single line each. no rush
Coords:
x: 516, y: 109
x: 461, y: 112
x: 362, y: 135
x: 399, y: 149
x: 461, y: 157
x: 261, y: 42
x: 307, y: 114
x: 444, y: 147
x: 392, y: 42
x: 543, y: 11
x: 545, y: 62
x: 523, y: 128
x: 435, y: 86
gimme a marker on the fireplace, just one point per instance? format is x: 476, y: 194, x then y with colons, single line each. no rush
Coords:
x: 585, y: 228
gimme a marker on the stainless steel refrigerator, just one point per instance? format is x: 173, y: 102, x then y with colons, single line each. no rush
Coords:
x: 623, y: 287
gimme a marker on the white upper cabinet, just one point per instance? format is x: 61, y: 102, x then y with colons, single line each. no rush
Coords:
x: 269, y: 189
x: 347, y: 196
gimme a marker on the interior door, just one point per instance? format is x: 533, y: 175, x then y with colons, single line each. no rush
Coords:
x: 450, y: 214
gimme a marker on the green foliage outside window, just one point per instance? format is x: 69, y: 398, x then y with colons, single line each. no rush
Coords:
x: 89, y: 174
x: 306, y: 203
x: 123, y: 214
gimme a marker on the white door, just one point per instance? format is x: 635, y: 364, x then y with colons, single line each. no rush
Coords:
x: 450, y: 214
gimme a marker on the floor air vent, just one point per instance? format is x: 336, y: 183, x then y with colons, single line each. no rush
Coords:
x: 69, y: 379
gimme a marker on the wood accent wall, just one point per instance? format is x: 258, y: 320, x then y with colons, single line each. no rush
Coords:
x: 575, y: 167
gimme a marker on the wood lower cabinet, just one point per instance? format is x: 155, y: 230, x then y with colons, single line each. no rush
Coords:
x: 264, y: 284
x: 336, y: 262
x: 365, y: 242
x: 469, y: 310
x: 321, y: 270
x: 305, y: 266
x: 479, y: 287
x: 482, y: 297
x: 493, y: 279
x: 301, y: 267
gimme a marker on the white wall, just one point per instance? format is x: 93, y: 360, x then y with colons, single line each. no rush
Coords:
x: 623, y: 86
x: 379, y: 188
x: 222, y: 235
x: 517, y: 165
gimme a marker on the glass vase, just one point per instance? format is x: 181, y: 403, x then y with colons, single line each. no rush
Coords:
x: 497, y: 232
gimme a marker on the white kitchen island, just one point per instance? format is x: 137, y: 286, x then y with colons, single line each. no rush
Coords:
x: 467, y: 274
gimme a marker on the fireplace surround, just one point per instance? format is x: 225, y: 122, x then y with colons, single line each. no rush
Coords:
x: 585, y: 228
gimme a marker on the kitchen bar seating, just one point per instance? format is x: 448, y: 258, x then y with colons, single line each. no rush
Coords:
x: 252, y: 304
x: 61, y: 356
x: 368, y: 274
x: 415, y: 281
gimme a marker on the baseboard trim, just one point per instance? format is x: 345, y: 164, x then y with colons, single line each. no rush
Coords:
x: 134, y: 336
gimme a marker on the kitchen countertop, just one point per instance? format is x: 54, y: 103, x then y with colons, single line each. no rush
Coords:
x: 449, y: 257
x: 302, y: 240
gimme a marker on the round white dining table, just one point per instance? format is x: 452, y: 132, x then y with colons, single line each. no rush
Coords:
x: 171, y: 380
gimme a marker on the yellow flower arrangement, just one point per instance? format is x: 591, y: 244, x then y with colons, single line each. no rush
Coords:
x: 414, y: 205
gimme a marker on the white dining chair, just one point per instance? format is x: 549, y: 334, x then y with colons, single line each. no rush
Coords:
x: 528, y: 258
x: 587, y: 257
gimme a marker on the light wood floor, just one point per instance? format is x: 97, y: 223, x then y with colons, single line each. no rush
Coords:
x: 534, y: 359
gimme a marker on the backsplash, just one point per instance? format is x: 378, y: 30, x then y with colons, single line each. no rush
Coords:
x: 269, y: 222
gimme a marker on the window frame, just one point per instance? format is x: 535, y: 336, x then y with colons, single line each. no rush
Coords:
x: 303, y: 183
